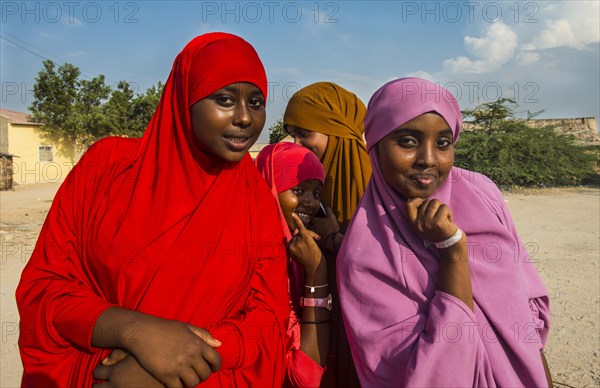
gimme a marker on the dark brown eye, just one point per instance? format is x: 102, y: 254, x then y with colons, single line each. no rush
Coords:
x: 444, y: 143
x: 407, y: 142
x: 223, y: 99
x: 257, y: 102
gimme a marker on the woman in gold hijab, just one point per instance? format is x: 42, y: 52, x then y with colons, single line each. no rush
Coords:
x: 328, y: 120
x: 325, y: 108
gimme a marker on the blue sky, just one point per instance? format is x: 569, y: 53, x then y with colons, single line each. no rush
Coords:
x: 544, y: 54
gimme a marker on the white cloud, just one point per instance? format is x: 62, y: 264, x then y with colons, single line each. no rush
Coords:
x: 496, y: 47
x: 573, y: 24
x: 419, y: 74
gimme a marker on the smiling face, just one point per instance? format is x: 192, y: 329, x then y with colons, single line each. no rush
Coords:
x: 229, y: 121
x: 416, y: 157
x: 303, y: 200
x: 314, y: 141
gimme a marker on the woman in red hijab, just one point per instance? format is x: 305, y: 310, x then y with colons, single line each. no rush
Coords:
x: 153, y: 243
x: 296, y: 178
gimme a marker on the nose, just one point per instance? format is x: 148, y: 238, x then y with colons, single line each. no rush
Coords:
x: 308, y: 200
x: 241, y: 115
x: 425, y: 156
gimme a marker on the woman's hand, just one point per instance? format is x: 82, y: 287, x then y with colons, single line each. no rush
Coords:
x: 431, y: 219
x: 303, y: 247
x: 127, y: 372
x: 174, y: 352
x: 325, y: 226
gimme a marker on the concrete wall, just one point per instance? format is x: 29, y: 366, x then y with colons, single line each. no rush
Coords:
x: 24, y: 142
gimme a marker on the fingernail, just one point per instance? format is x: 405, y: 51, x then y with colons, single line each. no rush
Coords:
x: 105, y: 361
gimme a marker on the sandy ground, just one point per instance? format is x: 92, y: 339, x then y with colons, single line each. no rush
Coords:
x: 561, y: 228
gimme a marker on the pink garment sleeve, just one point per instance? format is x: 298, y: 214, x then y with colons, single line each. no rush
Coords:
x: 540, y: 313
x: 539, y: 302
x: 440, y: 348
x: 302, y: 371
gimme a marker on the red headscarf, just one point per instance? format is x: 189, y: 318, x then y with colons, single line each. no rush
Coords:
x: 286, y: 165
x: 160, y: 226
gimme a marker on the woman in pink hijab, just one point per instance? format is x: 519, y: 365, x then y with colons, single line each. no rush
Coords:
x: 434, y: 282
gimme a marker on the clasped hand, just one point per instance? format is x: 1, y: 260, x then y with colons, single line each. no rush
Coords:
x: 431, y: 219
x: 169, y: 353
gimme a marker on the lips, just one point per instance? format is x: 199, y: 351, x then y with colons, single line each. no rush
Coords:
x: 237, y: 143
x: 423, y: 180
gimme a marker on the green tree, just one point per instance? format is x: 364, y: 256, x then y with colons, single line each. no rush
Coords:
x: 69, y: 108
x: 277, y: 132
x: 492, y: 115
x: 512, y: 153
x: 144, y: 106
x: 127, y: 114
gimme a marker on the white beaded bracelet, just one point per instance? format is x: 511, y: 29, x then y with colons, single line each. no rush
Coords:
x: 450, y: 241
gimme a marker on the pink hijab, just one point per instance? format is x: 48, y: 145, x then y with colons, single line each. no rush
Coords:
x: 402, y: 330
x: 284, y: 166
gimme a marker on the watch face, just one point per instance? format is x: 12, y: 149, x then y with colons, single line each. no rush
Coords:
x: 317, y: 302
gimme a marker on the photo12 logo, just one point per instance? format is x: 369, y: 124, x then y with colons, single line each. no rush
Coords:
x: 473, y: 11
x: 269, y: 11
x: 72, y: 12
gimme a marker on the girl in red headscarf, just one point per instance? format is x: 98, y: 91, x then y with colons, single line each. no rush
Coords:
x: 159, y: 245
x: 296, y: 178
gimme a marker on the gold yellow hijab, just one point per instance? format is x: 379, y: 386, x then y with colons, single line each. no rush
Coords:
x: 332, y: 110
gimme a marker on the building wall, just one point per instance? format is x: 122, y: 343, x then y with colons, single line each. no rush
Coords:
x: 24, y: 142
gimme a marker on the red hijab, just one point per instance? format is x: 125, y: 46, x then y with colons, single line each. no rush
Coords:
x: 160, y: 226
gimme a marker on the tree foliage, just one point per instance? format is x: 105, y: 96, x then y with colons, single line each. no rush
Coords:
x: 512, y: 153
x: 277, y: 132
x: 127, y: 114
x: 77, y: 112
x: 68, y: 107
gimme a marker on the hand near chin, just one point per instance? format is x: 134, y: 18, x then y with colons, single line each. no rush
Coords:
x: 303, y: 246
x: 431, y: 219
x: 325, y: 226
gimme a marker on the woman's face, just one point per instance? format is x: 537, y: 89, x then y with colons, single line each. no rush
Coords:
x: 229, y: 121
x: 416, y: 158
x: 314, y: 141
x: 303, y: 200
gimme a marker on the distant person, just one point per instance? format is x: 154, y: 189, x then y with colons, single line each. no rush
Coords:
x: 168, y: 247
x: 328, y: 120
x: 296, y: 177
x: 435, y: 285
